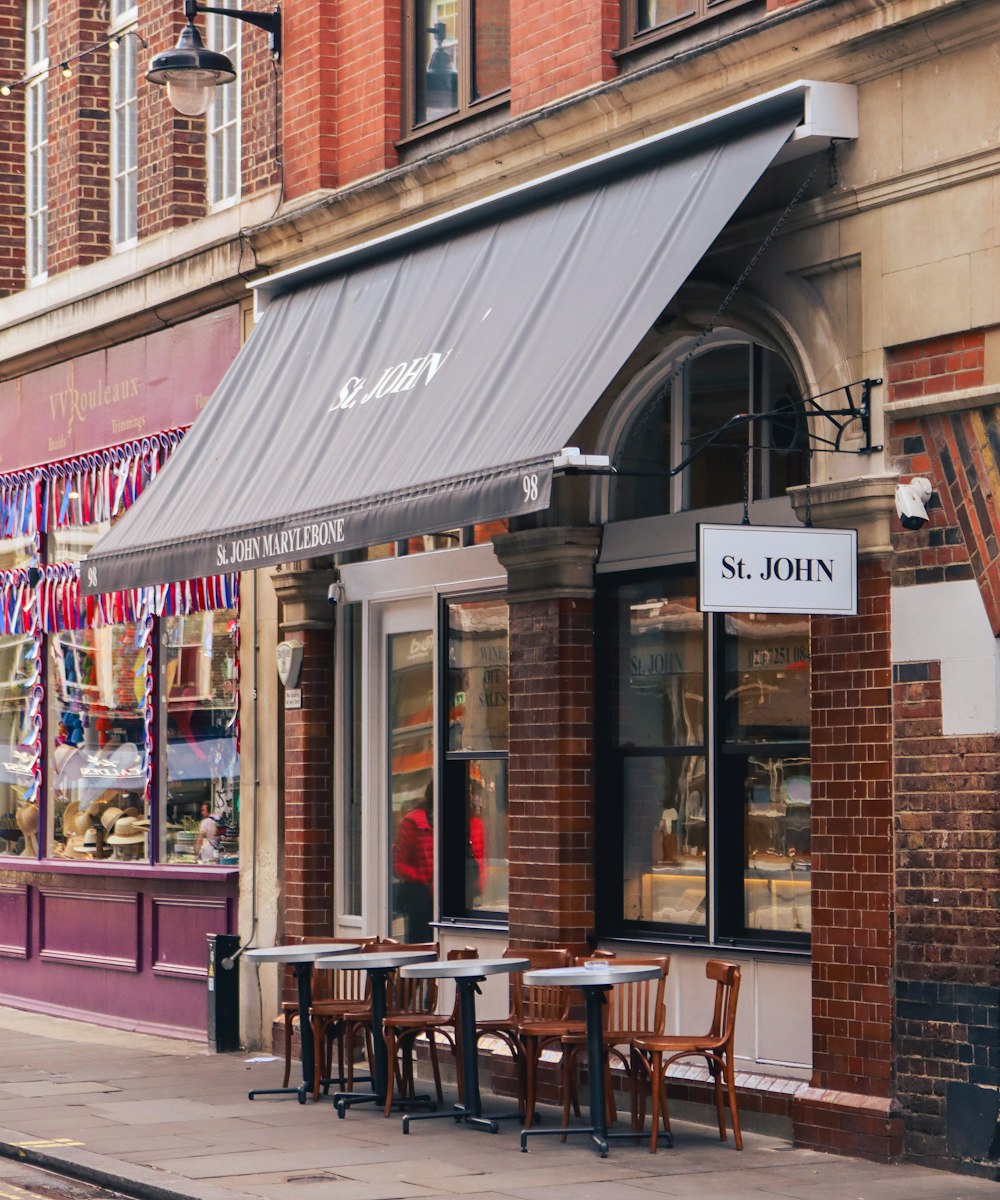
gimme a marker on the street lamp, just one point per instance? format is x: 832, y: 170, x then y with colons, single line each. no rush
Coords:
x: 191, y: 72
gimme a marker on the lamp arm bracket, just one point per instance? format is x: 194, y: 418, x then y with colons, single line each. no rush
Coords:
x: 270, y: 22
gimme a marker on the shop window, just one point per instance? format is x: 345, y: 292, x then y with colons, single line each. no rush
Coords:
x: 475, y: 867
x: 36, y: 138
x: 459, y: 54
x: 690, y: 402
x: 644, y: 18
x: 124, y: 126
x: 704, y: 761
x: 118, y: 735
x: 222, y: 121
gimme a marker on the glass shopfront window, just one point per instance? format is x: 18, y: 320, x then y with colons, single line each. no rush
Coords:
x: 474, y: 843
x: 98, y: 778
x: 18, y: 799
x: 704, y: 766
x: 198, y: 655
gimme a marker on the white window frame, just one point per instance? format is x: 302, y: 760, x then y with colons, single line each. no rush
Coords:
x: 36, y: 142
x: 124, y: 105
x: 223, y: 121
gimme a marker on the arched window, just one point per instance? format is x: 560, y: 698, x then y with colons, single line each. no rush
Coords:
x: 691, y: 399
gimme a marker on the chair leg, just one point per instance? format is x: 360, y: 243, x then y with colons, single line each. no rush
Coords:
x: 435, y: 1066
x: 529, y: 1048
x: 390, y: 1051
x: 611, y: 1107
x: 288, y: 1049
x: 655, y: 1070
x: 569, y: 1062
x: 713, y: 1069
x: 733, y: 1112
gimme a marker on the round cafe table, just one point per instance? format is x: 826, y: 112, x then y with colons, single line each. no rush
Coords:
x: 594, y: 980
x: 301, y: 958
x: 468, y: 974
x: 380, y: 965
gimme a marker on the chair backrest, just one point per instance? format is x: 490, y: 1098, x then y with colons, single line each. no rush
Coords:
x: 638, y: 1007
x: 338, y: 985
x: 412, y: 995
x: 727, y: 977
x: 540, y: 1003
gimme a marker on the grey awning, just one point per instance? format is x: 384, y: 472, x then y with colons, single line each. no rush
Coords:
x: 427, y: 383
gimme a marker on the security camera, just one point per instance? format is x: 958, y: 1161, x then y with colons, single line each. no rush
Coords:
x: 911, y: 502
x: 335, y: 594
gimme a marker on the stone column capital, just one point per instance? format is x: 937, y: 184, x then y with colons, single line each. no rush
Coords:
x: 865, y: 504
x: 549, y: 564
x: 302, y: 598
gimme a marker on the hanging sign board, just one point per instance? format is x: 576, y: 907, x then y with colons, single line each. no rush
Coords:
x: 774, y: 569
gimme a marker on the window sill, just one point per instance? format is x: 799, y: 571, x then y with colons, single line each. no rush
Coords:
x: 55, y: 866
x: 757, y: 950
x: 483, y: 924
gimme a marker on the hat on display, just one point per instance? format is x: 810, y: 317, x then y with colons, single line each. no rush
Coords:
x: 27, y: 818
x: 109, y: 817
x: 84, y: 821
x: 127, y: 832
x: 89, y: 844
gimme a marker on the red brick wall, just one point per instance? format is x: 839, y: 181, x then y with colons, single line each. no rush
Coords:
x: 308, y: 793
x: 947, y: 818
x: 79, y: 147
x: 559, y: 48
x: 852, y: 940
x: 943, y: 364
x: 11, y: 150
x: 551, y: 831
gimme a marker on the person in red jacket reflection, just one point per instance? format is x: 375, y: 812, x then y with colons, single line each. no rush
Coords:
x: 413, y: 866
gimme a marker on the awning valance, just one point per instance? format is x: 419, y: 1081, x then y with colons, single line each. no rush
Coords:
x: 428, y: 383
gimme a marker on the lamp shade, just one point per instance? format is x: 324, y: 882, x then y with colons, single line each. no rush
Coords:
x: 191, y: 73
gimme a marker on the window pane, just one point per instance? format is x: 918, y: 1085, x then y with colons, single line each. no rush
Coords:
x: 491, y: 47
x: 777, y: 880
x: 661, y: 684
x: 641, y: 488
x: 98, y: 773
x: 486, y: 863
x: 767, y: 678
x: 437, y: 59
x: 652, y: 13
x: 477, y: 676
x: 718, y: 389
x: 410, y: 695
x: 201, y: 823
x: 666, y: 839
x: 18, y: 816
x: 786, y: 433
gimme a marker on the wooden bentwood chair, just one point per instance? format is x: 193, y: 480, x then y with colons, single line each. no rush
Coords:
x: 633, y: 1010
x: 412, y: 1013
x: 654, y: 1054
x: 538, y: 1018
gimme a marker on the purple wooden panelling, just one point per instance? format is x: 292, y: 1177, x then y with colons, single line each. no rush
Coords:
x: 90, y: 929
x: 15, y: 921
x: 179, y: 928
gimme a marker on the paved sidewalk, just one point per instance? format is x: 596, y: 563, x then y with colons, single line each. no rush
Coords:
x: 175, y: 1121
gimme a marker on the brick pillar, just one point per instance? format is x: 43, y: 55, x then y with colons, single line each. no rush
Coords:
x: 12, y: 152
x: 308, y: 757
x: 849, y: 1107
x: 551, y: 779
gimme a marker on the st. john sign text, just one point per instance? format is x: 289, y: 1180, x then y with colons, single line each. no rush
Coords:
x: 773, y: 569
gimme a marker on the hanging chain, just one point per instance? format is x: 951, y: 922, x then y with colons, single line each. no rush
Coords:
x: 746, y: 486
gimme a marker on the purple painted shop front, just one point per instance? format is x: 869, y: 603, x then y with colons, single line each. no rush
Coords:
x: 116, y: 942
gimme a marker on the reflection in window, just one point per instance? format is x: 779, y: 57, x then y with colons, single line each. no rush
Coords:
x: 410, y: 696
x: 461, y: 56
x: 198, y: 653
x: 649, y: 15
x: 474, y: 843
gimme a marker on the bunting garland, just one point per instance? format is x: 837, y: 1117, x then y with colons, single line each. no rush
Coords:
x: 85, y: 490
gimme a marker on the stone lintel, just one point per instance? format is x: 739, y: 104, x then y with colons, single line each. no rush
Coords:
x: 549, y: 564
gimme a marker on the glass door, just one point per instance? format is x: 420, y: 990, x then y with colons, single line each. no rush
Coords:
x: 409, y: 776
